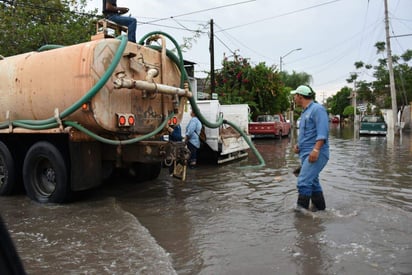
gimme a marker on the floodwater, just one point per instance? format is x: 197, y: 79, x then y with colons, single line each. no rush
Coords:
x: 233, y: 219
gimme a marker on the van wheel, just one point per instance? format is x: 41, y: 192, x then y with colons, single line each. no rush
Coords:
x: 7, y: 171
x: 45, y: 174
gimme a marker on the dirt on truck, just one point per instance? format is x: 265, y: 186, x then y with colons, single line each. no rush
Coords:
x: 70, y: 116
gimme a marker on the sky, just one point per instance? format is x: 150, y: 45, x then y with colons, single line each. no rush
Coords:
x: 331, y: 34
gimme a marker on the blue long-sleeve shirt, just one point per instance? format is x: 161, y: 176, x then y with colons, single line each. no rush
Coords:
x: 193, y: 129
x: 176, y: 135
x: 314, y: 126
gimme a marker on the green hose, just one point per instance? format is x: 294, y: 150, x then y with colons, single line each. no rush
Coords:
x: 118, y: 142
x: 51, y: 122
x: 49, y: 47
x: 249, y: 142
x: 195, y: 108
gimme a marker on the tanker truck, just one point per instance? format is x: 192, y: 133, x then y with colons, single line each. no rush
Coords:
x: 70, y: 116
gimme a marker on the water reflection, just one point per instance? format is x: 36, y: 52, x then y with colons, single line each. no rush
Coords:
x: 234, y: 220
x: 309, y: 257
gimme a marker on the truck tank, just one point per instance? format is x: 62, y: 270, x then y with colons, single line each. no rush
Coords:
x: 36, y: 85
x: 70, y: 116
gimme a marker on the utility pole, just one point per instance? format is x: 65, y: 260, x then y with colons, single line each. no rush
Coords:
x: 212, y: 60
x: 354, y: 109
x: 392, y: 125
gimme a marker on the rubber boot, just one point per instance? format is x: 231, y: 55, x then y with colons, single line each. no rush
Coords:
x: 318, y: 200
x: 303, y: 201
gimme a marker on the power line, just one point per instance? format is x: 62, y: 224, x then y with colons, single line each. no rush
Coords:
x: 244, y: 45
x: 227, y: 47
x: 281, y: 15
x: 200, y: 11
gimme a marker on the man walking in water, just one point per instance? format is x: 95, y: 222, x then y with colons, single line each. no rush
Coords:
x: 114, y: 13
x: 312, y: 147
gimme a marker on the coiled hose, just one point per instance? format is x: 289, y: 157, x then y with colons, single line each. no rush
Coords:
x: 220, y: 121
x: 53, y: 122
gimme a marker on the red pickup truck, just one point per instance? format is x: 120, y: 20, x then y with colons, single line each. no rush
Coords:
x: 270, y: 125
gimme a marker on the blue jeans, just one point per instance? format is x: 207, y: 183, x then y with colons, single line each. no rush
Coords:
x: 308, y: 179
x: 193, y: 153
x: 129, y: 22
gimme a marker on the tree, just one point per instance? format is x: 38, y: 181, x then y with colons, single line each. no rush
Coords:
x: 295, y: 79
x: 340, y: 101
x: 28, y: 24
x: 291, y: 82
x: 237, y: 82
x: 348, y: 111
x: 377, y: 91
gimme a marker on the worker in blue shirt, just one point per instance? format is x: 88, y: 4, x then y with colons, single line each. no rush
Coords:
x: 312, y: 147
x: 192, y: 138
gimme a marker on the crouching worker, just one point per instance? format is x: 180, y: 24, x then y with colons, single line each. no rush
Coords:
x: 175, y: 134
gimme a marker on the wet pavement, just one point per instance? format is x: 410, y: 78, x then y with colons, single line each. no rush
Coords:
x: 233, y: 219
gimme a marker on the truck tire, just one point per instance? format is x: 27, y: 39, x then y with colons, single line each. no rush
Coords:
x: 107, y: 171
x: 145, y: 171
x: 45, y: 174
x: 7, y: 171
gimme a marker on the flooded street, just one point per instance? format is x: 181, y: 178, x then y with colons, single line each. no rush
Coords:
x: 233, y: 219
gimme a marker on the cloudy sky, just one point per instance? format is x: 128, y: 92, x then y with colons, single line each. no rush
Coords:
x: 332, y: 34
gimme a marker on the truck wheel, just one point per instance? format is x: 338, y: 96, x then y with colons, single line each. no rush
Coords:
x: 45, y: 174
x: 145, y: 171
x: 107, y: 171
x: 7, y: 171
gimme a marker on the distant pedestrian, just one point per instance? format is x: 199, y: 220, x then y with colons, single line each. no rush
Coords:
x: 192, y: 138
x: 114, y: 13
x: 312, y: 147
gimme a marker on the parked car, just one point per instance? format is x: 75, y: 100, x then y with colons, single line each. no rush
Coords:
x: 335, y: 119
x: 372, y: 125
x: 275, y: 125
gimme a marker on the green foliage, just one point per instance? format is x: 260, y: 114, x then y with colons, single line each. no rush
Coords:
x: 259, y: 87
x: 348, y: 111
x: 26, y: 25
x: 295, y: 79
x: 338, y: 103
x: 291, y: 82
x: 403, y: 81
x: 377, y: 92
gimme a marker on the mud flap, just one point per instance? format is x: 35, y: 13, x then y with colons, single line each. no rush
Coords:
x: 179, y: 170
x: 180, y: 156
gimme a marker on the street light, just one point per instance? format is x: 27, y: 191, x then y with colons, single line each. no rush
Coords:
x: 281, y: 58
